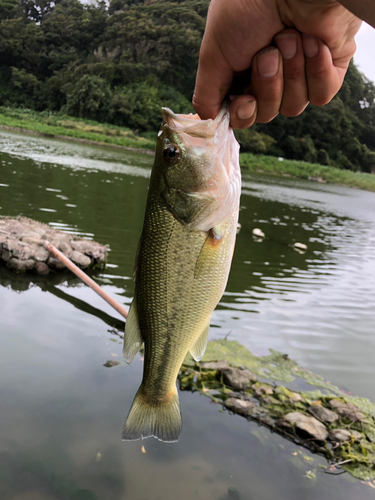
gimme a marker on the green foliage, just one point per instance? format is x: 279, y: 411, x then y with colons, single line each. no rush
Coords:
x: 90, y: 97
x: 254, y: 142
x: 138, y: 105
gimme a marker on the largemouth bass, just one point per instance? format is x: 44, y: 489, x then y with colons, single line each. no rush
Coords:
x: 183, y: 261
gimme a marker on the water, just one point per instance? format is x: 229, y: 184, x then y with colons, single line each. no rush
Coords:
x: 62, y: 412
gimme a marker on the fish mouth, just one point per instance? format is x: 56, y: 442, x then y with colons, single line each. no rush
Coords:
x: 193, y: 126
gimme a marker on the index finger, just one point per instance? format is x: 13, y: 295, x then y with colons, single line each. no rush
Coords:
x: 214, y: 78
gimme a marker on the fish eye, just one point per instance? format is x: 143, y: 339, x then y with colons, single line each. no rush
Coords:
x: 172, y: 154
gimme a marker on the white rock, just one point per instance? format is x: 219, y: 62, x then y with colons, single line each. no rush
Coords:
x: 258, y: 233
x: 300, y: 246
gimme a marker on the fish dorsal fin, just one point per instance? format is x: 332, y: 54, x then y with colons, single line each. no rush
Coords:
x: 133, y: 338
x: 197, y: 351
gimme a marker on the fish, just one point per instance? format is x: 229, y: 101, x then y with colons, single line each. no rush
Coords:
x: 183, y: 262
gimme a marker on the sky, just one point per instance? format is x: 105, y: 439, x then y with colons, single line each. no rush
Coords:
x: 364, y: 58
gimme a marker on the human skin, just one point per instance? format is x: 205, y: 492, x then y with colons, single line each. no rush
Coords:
x: 298, y: 52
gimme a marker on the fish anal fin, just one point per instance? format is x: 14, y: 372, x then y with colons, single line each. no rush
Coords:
x: 198, y: 349
x: 133, y: 338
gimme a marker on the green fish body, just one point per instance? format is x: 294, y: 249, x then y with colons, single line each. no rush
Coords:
x: 183, y: 262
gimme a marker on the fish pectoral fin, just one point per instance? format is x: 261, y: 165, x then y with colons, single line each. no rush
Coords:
x: 133, y: 338
x: 209, y: 248
x: 198, y: 349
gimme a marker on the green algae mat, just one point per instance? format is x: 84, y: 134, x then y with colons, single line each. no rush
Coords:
x: 324, y: 420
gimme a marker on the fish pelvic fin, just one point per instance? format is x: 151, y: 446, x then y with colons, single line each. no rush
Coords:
x: 198, y: 349
x: 133, y: 338
x: 146, y: 419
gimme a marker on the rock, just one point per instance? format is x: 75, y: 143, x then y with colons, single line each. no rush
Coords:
x: 295, y: 397
x: 300, y: 246
x: 357, y: 435
x: 81, y: 260
x: 263, y: 390
x: 309, y: 425
x: 244, y: 408
x: 323, y: 414
x: 215, y: 365
x: 238, y: 379
x: 111, y: 362
x: 41, y: 268
x: 347, y: 410
x: 258, y: 233
x: 55, y: 263
x: 340, y: 435
x: 65, y: 248
x: 21, y: 266
x: 32, y: 241
x: 23, y: 239
x: 41, y: 255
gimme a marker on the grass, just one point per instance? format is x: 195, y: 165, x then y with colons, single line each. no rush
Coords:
x: 55, y: 124
x: 304, y: 170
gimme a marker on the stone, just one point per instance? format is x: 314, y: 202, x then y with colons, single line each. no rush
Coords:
x: 238, y: 379
x: 309, y: 425
x: 65, y: 248
x: 22, y: 252
x: 348, y: 411
x: 263, y: 390
x: 41, y: 268
x: 323, y: 414
x: 41, y: 255
x: 111, y: 362
x: 79, y: 259
x: 55, y: 263
x: 215, y: 365
x: 357, y: 435
x: 340, y: 435
x: 32, y: 241
x: 21, y: 266
x: 5, y: 255
x: 244, y: 408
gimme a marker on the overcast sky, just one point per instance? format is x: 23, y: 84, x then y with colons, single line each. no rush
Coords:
x: 364, y: 58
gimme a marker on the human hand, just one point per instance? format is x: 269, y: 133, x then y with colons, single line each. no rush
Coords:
x: 313, y: 42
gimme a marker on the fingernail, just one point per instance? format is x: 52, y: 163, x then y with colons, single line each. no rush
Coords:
x: 268, y: 63
x: 287, y: 44
x: 310, y: 45
x: 246, y: 110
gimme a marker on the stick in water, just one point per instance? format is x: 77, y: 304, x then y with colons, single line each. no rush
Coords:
x: 86, y: 279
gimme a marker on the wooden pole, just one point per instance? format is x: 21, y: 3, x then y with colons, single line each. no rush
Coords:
x: 86, y: 279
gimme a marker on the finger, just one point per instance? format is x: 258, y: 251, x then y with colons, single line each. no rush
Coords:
x: 214, y: 77
x: 267, y: 83
x: 295, y: 94
x: 324, y: 79
x: 242, y: 111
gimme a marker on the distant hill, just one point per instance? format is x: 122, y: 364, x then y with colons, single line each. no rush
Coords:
x: 120, y: 63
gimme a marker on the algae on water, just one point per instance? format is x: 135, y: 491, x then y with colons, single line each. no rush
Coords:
x: 325, y: 420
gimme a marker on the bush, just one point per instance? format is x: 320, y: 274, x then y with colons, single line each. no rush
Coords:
x: 90, y: 97
x: 138, y: 105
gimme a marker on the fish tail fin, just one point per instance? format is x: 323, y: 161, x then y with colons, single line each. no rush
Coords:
x: 146, y: 419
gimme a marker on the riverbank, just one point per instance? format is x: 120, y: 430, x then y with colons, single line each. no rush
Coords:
x: 66, y: 127
x: 308, y: 171
x: 91, y: 132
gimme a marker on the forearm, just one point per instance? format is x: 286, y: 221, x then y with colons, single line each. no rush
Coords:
x: 364, y: 9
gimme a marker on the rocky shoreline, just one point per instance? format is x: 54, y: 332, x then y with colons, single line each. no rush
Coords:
x: 22, y: 247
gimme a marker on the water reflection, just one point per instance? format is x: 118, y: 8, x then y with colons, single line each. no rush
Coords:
x: 61, y: 407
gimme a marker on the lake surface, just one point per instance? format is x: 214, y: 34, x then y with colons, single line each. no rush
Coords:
x: 62, y: 412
